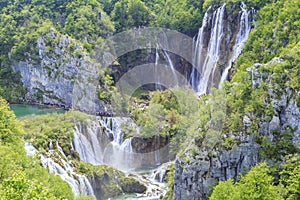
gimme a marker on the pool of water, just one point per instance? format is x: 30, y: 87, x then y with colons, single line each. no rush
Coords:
x: 22, y: 110
x: 133, y: 197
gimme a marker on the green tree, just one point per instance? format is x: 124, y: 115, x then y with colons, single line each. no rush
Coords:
x: 256, y: 184
x: 129, y: 14
x: 19, y: 187
x: 290, y: 177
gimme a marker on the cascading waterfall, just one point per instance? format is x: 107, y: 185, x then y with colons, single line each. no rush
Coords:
x: 160, y: 173
x: 116, y: 151
x: 241, y: 37
x: 206, y: 59
x: 207, y: 56
x: 86, y: 143
x: 79, y: 184
x: 127, y: 145
x: 171, y: 65
x: 101, y: 142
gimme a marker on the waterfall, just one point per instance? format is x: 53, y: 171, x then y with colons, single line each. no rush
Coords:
x: 241, y: 37
x: 102, y: 142
x: 206, y: 59
x: 171, y: 65
x: 30, y: 150
x: 79, y: 184
x: 157, y: 74
x: 159, y: 174
x: 86, y: 143
x: 161, y: 45
x: 195, y: 75
x: 210, y: 50
x: 127, y: 145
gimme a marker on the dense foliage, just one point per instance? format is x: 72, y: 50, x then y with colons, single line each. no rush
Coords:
x: 255, y: 90
x: 258, y: 183
x: 41, y: 129
x: 178, y: 114
x: 89, y: 22
x: 22, y: 177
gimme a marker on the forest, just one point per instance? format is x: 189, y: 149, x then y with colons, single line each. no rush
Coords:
x: 274, y: 35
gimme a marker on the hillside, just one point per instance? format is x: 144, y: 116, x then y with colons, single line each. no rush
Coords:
x: 215, y: 90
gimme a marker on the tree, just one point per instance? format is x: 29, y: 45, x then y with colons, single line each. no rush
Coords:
x: 19, y: 187
x: 290, y: 177
x: 256, y: 184
x: 129, y: 14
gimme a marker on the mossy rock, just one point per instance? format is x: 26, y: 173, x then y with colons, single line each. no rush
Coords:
x: 109, y: 182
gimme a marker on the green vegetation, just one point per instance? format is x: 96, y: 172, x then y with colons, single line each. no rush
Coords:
x: 107, y: 177
x: 259, y: 183
x: 130, y: 13
x: 188, y: 120
x: 170, y: 182
x: 275, y: 36
x: 41, y: 129
x: 256, y: 184
x: 191, y: 122
x: 22, y: 177
x: 88, y: 22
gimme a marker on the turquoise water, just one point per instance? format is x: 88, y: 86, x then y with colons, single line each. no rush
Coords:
x: 22, y: 110
x: 133, y: 197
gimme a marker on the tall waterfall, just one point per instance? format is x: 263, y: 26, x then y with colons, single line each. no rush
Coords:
x: 241, y: 37
x: 157, y: 74
x: 165, y: 58
x: 212, y: 54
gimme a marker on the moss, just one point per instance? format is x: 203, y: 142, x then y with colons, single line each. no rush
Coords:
x: 110, y: 182
x: 56, y: 127
x: 170, y: 182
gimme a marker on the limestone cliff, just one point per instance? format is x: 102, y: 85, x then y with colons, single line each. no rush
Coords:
x: 196, y: 171
x: 194, y: 174
x: 61, y: 73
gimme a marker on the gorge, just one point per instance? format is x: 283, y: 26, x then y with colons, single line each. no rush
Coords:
x: 152, y: 113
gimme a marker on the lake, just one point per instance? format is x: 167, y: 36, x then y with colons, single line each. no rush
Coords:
x: 22, y: 110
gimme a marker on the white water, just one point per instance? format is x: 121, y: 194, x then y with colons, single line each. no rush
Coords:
x: 102, y: 142
x: 86, y: 143
x: 206, y: 57
x: 79, y: 184
x: 118, y: 152
x: 241, y: 37
x: 159, y: 174
x: 157, y: 74
x: 171, y: 65
x: 30, y: 150
x: 207, y: 61
x: 164, y: 44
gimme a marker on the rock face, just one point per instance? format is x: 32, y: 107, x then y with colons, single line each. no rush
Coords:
x: 151, y: 151
x: 61, y: 74
x: 194, y: 174
x: 108, y: 182
x: 286, y: 111
x: 194, y: 177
